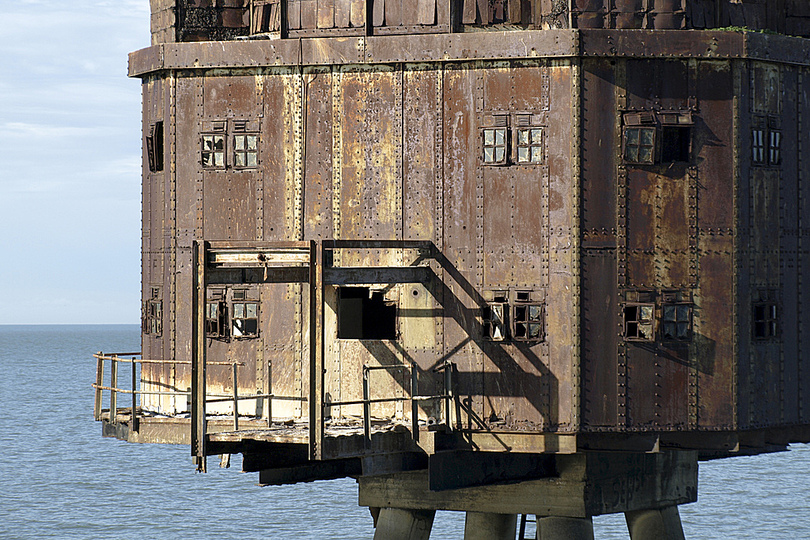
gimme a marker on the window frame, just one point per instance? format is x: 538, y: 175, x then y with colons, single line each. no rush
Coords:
x: 664, y: 322
x: 223, y: 136
x: 243, y: 333
x: 638, y: 321
x: 531, y: 146
x: 246, y: 151
x: 770, y: 320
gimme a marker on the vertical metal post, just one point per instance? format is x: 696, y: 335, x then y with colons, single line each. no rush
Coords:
x: 133, y: 426
x: 198, y: 391
x: 414, y: 403
x: 113, y: 385
x: 269, y: 390
x: 366, y: 408
x: 448, y: 393
x: 99, y: 384
x: 235, y: 398
x: 316, y: 350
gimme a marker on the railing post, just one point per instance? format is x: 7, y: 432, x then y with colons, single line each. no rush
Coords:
x: 99, y: 384
x: 414, y: 403
x: 316, y: 349
x: 235, y: 398
x: 366, y: 408
x: 134, y: 423
x: 448, y: 392
x: 113, y: 385
x: 198, y: 390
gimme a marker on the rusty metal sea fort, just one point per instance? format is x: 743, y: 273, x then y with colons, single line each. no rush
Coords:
x: 506, y: 257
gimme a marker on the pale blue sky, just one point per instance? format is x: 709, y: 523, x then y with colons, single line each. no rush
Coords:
x: 70, y: 147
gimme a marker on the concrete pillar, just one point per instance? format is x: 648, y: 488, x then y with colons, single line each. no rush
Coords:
x: 662, y: 524
x: 485, y: 526
x: 564, y: 528
x: 401, y: 524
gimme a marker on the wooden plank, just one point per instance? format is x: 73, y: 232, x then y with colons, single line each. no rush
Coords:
x: 483, y: 11
x: 294, y: 14
x: 468, y: 15
x: 309, y: 14
x: 378, y: 12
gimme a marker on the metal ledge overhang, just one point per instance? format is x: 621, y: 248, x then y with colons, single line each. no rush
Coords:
x: 522, y: 44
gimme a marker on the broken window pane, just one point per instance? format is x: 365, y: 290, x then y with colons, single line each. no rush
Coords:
x: 213, y: 151
x: 245, y: 151
x: 530, y: 145
x: 528, y: 322
x: 639, y: 322
x: 215, y: 317
x: 245, y: 319
x: 495, y: 146
x: 493, y: 317
x: 639, y: 145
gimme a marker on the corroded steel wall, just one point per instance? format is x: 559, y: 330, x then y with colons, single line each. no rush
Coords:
x: 397, y: 150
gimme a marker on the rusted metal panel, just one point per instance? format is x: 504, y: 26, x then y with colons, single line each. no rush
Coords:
x: 346, y: 50
x: 280, y: 87
x: 790, y: 244
x: 478, y: 45
x: 641, y: 199
x: 647, y: 43
x: 600, y: 331
x: 600, y: 150
x: 317, y: 156
x: 803, y: 125
x: 644, y: 387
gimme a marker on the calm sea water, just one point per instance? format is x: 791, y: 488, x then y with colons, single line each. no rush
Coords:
x: 60, y: 479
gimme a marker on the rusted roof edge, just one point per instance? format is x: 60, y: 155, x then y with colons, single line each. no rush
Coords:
x: 471, y: 46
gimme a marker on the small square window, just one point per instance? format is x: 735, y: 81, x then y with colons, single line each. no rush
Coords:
x: 365, y: 314
x: 676, y: 322
x: 530, y: 145
x: 213, y: 151
x: 495, y: 145
x: 527, y: 322
x: 245, y: 321
x: 245, y: 151
x: 766, y: 321
x: 639, y: 322
x: 639, y: 145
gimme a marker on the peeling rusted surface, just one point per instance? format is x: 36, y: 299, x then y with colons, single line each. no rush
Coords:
x: 666, y: 287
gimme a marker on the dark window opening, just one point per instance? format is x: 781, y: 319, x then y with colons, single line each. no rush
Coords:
x: 494, y: 319
x: 527, y: 322
x: 153, y: 317
x: 154, y: 147
x: 245, y: 319
x: 766, y: 322
x: 775, y: 148
x: 758, y: 146
x: 675, y: 143
x: 676, y: 322
x: 639, y: 322
x: 365, y: 314
x: 766, y: 141
x: 215, y: 319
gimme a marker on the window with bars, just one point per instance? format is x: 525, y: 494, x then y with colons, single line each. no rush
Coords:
x: 245, y: 321
x: 530, y: 145
x: 213, y: 151
x: 639, y: 322
x: 676, y: 322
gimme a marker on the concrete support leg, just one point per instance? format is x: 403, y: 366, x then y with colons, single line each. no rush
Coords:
x: 663, y: 524
x: 484, y: 526
x: 563, y: 528
x: 400, y: 524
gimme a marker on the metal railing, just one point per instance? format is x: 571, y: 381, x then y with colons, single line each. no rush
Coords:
x: 134, y: 390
